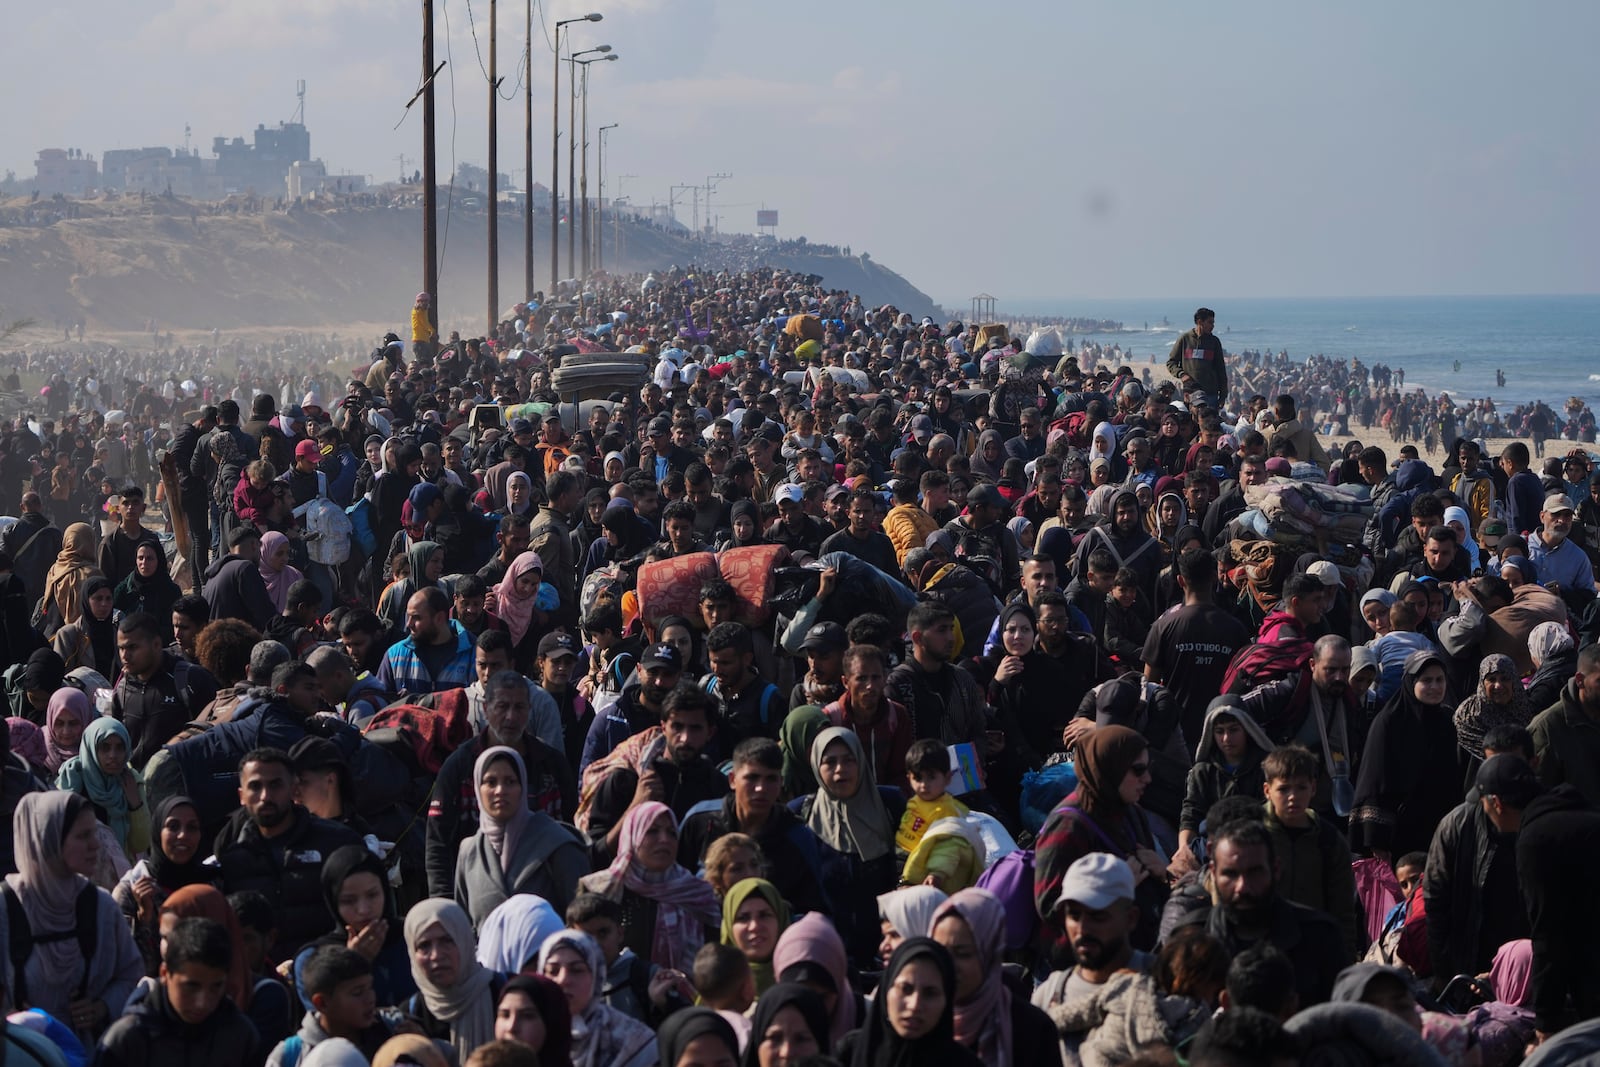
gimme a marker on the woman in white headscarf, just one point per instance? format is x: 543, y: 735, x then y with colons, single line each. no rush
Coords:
x: 1456, y: 518
x: 455, y: 998
x: 58, y: 849
x: 602, y: 1036
x: 907, y: 912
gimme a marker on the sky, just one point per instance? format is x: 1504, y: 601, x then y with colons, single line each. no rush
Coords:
x: 1038, y: 151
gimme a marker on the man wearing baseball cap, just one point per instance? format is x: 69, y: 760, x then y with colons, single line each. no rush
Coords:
x: 1560, y: 560
x: 982, y: 532
x: 1094, y: 909
x: 640, y: 705
x: 796, y: 530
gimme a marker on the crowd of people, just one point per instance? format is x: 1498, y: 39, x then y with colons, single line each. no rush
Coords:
x: 841, y: 689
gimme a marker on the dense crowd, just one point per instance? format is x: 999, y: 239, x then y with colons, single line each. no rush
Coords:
x: 800, y: 684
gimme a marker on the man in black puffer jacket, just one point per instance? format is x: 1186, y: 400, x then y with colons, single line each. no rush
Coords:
x: 277, y: 847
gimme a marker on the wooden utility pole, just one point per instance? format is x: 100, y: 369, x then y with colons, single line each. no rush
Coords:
x: 494, y: 179
x: 430, y: 179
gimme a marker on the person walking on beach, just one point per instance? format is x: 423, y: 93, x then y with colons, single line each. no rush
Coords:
x: 1196, y: 360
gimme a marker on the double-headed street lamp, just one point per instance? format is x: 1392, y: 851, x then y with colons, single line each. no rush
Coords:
x: 555, y: 154
x: 599, y: 204
x: 599, y: 53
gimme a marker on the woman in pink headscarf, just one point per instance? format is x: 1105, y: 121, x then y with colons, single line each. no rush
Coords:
x: 516, y: 603
x: 647, y: 879
x: 812, y: 953
x: 275, y: 570
x: 1001, y: 1030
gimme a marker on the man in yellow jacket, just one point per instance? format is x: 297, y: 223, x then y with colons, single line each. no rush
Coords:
x: 423, y: 334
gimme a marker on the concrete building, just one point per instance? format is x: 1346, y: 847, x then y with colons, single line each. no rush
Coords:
x: 65, y: 171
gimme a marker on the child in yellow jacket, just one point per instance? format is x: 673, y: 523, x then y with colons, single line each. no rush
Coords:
x: 929, y: 775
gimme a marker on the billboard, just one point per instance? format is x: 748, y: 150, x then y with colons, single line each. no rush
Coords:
x: 766, y: 217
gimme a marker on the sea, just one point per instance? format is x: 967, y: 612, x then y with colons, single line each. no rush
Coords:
x: 1548, y: 346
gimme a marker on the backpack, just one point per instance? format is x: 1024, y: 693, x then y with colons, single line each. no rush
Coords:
x: 1265, y: 661
x: 86, y: 918
x: 362, y: 534
x: 713, y: 688
x: 330, y: 529
x: 1011, y: 879
x: 293, y: 1046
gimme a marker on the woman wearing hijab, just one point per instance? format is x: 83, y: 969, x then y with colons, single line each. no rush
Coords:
x: 1022, y: 530
x: 510, y: 938
x: 1024, y: 686
x: 533, y: 1010
x: 455, y: 993
x: 426, y: 561
x: 669, y: 913
x: 912, y: 1017
x: 67, y: 716
x: 989, y: 459
x: 1555, y: 661
x: 1164, y: 519
x: 744, y: 526
x: 100, y: 773
x: 91, y: 641
x: 64, y: 582
x: 27, y: 744
x: 790, y: 1026
x: 57, y: 842
x: 1498, y: 701
x: 1001, y: 1030
x: 516, y: 604
x: 907, y: 912
x: 856, y: 824
x: 275, y: 569
x: 1103, y: 815
x: 800, y: 729
x: 1411, y: 770
x: 1457, y: 519
x: 602, y: 1036
x: 149, y: 588
x: 697, y: 1037
x: 519, y: 495
x: 810, y: 952
x: 355, y: 884
x: 754, y: 916
x: 176, y: 859
x: 588, y: 530
x: 515, y: 850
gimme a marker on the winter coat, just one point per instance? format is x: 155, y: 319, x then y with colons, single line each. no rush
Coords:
x: 150, y: 1032
x: 286, y: 868
x: 548, y: 860
x: 1314, y: 870
x: 1566, y: 743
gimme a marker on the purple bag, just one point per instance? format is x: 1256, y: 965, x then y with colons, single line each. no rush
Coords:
x: 1011, y: 879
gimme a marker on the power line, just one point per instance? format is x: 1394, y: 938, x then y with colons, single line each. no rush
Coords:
x: 521, y: 65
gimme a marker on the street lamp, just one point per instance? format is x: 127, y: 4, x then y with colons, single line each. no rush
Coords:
x: 555, y: 154
x: 572, y: 146
x: 583, y: 188
x: 599, y: 206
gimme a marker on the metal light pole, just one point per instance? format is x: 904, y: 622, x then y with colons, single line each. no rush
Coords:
x: 583, y: 180
x: 494, y: 178
x: 572, y: 151
x: 555, y: 153
x: 430, y: 179
x: 599, y: 204
x: 527, y: 162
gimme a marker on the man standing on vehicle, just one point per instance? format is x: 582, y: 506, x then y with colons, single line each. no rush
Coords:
x: 1196, y: 361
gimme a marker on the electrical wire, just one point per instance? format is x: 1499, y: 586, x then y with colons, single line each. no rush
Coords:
x: 450, y: 195
x: 521, y: 60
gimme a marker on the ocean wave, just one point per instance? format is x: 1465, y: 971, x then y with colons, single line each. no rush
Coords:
x: 1594, y: 377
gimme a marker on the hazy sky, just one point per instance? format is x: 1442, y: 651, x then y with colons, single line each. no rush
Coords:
x: 1031, y: 149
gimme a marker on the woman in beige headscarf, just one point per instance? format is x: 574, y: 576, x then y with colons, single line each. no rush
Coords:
x: 74, y: 566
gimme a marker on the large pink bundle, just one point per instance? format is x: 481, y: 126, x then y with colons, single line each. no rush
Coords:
x: 672, y: 586
x: 749, y: 571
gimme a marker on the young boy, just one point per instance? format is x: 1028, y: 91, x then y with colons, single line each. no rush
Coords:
x: 929, y: 775
x: 258, y: 932
x: 726, y: 985
x: 1313, y: 856
x: 1128, y: 621
x: 638, y: 987
x: 343, y: 1004
x: 1227, y: 764
x: 186, y: 1015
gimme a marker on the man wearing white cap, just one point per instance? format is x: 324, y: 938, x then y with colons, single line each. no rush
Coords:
x: 1096, y: 910
x: 1560, y: 561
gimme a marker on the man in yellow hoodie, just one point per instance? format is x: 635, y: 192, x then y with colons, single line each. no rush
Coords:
x: 423, y: 333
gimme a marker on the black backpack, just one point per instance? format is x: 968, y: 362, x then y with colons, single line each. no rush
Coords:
x: 86, y: 917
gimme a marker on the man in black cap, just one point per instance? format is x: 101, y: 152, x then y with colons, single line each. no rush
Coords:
x: 1470, y: 889
x: 860, y: 538
x: 558, y: 654
x: 657, y: 456
x: 824, y: 646
x: 982, y: 532
x: 639, y: 707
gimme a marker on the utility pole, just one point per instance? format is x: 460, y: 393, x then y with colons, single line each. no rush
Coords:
x: 710, y: 179
x: 494, y: 179
x: 555, y: 151
x: 583, y: 182
x: 527, y: 162
x: 572, y: 160
x: 672, y: 201
x: 430, y: 179
x: 599, y: 204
